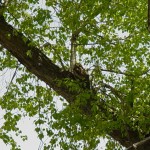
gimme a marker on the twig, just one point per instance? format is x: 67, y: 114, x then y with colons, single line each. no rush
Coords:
x: 142, y: 144
x: 117, y: 72
x: 113, y: 90
x: 126, y: 74
x: 13, y: 77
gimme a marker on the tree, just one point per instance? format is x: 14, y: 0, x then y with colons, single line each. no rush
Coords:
x: 107, y: 97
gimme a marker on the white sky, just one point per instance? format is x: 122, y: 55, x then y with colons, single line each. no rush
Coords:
x: 27, y: 126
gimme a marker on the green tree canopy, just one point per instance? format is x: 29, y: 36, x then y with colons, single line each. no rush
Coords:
x: 107, y: 97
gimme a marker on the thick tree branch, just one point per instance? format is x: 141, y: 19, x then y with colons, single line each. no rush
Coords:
x: 37, y: 63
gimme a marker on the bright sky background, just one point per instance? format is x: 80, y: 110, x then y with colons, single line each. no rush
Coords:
x: 27, y: 126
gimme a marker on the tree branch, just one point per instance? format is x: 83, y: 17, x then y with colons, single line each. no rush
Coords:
x: 113, y: 90
x: 142, y: 145
x: 37, y: 63
x: 127, y: 74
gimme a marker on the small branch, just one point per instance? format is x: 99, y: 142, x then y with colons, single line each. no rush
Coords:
x: 13, y: 77
x: 117, y: 72
x: 73, y: 50
x: 142, y: 145
x: 126, y: 74
x: 113, y: 90
x: 88, y: 44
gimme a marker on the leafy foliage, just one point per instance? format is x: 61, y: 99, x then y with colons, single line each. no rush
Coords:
x: 113, y: 45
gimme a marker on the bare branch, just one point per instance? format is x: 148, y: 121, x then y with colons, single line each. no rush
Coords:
x: 142, y: 145
x: 126, y: 74
x: 113, y: 90
x: 117, y: 72
x: 13, y: 77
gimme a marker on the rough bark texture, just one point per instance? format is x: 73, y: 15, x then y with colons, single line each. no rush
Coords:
x: 41, y: 66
